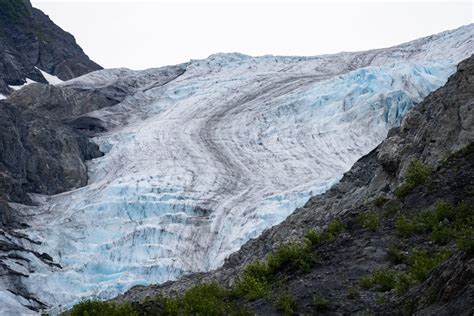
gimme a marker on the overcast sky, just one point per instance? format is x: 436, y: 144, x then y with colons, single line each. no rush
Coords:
x: 144, y: 34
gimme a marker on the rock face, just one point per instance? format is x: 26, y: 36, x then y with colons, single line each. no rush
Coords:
x: 41, y: 152
x: 30, y: 42
x: 439, y: 132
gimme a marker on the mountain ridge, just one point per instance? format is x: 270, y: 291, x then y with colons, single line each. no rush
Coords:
x: 30, y: 43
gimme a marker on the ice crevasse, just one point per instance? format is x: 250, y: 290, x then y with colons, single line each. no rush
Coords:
x: 195, y: 167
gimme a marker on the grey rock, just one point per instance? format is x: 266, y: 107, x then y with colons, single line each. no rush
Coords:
x: 29, y: 39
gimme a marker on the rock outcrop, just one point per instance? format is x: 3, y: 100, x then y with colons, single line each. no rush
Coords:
x: 30, y: 41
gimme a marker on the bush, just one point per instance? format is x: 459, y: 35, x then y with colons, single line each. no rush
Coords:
x: 384, y: 279
x: 258, y: 270
x: 369, y: 220
x: 465, y: 240
x: 394, y: 254
x: 319, y: 302
x: 335, y: 226
x: 293, y: 256
x: 286, y: 304
x: 203, y: 299
x: 353, y: 293
x: 432, y: 218
x: 257, y: 277
x: 380, y: 201
x: 251, y: 288
x: 417, y: 173
x: 406, y: 227
x: 366, y: 282
x: 404, y: 282
x: 442, y: 234
x: 421, y: 263
x: 314, y: 237
x: 94, y: 307
x: 254, y: 281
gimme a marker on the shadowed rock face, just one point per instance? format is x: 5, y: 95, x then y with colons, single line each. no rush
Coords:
x: 439, y: 127
x: 29, y: 39
x: 42, y: 152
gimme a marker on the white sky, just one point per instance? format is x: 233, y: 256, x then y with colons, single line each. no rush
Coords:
x: 144, y: 34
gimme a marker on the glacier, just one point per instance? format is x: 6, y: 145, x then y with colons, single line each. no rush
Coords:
x: 196, y: 166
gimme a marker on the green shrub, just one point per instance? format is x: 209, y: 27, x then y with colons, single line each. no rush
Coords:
x: 258, y: 270
x: 335, y: 226
x: 442, y: 234
x: 421, y: 263
x: 252, y: 287
x: 353, y: 293
x: 286, y: 304
x: 320, y: 303
x: 292, y: 256
x: 255, y: 281
x: 94, y: 307
x: 384, y: 279
x: 366, y: 282
x: 380, y: 201
x: 204, y: 299
x: 416, y: 174
x: 431, y: 219
x: 394, y: 254
x: 314, y: 237
x: 465, y: 239
x: 369, y: 220
x: 406, y: 227
x: 404, y: 282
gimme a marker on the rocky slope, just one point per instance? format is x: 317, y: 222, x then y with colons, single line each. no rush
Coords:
x: 32, y: 46
x: 372, y: 201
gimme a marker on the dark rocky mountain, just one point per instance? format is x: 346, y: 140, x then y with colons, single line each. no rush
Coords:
x: 394, y: 236
x: 30, y: 40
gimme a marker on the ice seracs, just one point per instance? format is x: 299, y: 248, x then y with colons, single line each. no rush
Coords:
x: 203, y: 156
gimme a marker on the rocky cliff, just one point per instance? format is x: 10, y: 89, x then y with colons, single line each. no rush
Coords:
x: 394, y: 236
x: 30, y: 43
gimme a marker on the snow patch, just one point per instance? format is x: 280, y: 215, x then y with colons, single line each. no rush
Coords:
x: 28, y: 81
x: 50, y: 78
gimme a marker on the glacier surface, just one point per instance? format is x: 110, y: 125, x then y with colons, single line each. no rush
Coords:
x: 196, y: 166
